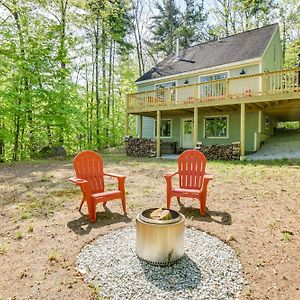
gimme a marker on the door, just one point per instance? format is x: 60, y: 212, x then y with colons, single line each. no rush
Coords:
x: 187, y: 133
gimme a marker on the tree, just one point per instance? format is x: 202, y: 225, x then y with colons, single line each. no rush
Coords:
x: 256, y: 12
x: 289, y: 16
x: 192, y: 24
x: 164, y: 26
x: 138, y: 11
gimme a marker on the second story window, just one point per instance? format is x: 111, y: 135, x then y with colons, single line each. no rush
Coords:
x: 166, y: 85
x: 214, y: 89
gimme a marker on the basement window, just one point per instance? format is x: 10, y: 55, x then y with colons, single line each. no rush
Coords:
x: 165, y: 128
x: 216, y: 127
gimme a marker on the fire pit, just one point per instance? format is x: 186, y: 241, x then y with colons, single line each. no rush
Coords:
x: 160, y: 236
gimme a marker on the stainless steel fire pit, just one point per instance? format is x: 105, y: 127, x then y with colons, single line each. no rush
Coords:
x: 160, y: 242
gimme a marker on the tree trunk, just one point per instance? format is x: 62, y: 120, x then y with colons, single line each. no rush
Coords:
x: 62, y: 56
x: 17, y: 134
x: 104, y: 83
x: 24, y: 81
x: 97, y: 49
x: 2, y: 148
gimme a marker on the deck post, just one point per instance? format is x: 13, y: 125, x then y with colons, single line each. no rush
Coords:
x: 140, y: 126
x: 259, y: 121
x: 242, y: 135
x: 195, y: 127
x: 126, y: 124
x: 158, y: 122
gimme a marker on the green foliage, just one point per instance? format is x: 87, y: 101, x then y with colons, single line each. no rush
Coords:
x: 164, y: 26
x: 19, y: 235
x: 42, y: 105
x: 291, y: 55
x: 54, y: 256
x: 4, y: 248
x: 290, y: 125
x: 192, y: 24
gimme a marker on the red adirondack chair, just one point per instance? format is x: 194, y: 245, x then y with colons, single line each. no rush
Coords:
x: 193, y: 180
x: 88, y: 167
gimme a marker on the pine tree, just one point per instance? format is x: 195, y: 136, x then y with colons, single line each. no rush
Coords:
x: 192, y: 24
x: 164, y: 26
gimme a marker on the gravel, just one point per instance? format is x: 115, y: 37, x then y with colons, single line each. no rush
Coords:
x: 284, y: 144
x: 208, y: 270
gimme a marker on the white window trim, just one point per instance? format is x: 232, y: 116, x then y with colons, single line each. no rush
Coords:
x: 171, y: 131
x: 211, y: 74
x: 216, y: 137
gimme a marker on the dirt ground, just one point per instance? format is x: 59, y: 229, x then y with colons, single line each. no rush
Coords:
x: 254, y: 207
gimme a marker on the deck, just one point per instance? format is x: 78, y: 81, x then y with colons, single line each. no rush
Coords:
x: 256, y: 89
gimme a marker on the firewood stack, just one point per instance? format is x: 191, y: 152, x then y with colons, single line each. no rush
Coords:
x: 220, y: 152
x: 140, y: 147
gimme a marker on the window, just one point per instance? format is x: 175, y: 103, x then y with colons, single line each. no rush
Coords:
x: 214, y: 89
x: 166, y: 85
x: 165, y: 128
x: 188, y: 127
x: 219, y: 76
x: 267, y: 122
x: 216, y: 127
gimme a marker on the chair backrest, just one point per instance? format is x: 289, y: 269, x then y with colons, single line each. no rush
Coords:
x: 88, y: 165
x: 191, y: 169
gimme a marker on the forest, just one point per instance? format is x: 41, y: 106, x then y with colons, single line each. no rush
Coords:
x: 67, y: 65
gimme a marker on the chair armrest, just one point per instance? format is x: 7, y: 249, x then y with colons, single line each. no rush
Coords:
x: 121, y: 181
x: 169, y: 175
x: 84, y: 186
x: 114, y: 175
x: 208, y: 177
x: 77, y: 181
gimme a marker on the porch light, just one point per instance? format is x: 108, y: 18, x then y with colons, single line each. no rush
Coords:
x: 242, y: 72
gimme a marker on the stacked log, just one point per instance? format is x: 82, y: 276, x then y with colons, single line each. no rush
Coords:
x: 220, y: 152
x: 140, y: 147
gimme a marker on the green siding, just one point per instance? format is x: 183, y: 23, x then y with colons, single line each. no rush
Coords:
x: 145, y: 88
x: 251, y: 69
x: 272, y: 58
x: 233, y: 129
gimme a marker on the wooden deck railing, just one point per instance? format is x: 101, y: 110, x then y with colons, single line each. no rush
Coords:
x: 260, y: 84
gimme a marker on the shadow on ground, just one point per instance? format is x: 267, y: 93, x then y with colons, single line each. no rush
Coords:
x: 183, y: 275
x: 222, y: 218
x: 83, y: 226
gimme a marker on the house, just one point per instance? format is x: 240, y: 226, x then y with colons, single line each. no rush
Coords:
x: 221, y: 92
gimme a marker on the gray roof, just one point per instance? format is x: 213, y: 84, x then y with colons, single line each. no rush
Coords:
x: 238, y: 47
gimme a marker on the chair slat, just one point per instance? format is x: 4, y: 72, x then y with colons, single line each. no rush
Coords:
x: 191, y: 169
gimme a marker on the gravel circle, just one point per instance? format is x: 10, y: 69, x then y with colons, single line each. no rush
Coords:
x: 209, y: 269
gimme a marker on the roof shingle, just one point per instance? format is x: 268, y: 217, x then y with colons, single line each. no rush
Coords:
x: 238, y: 47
